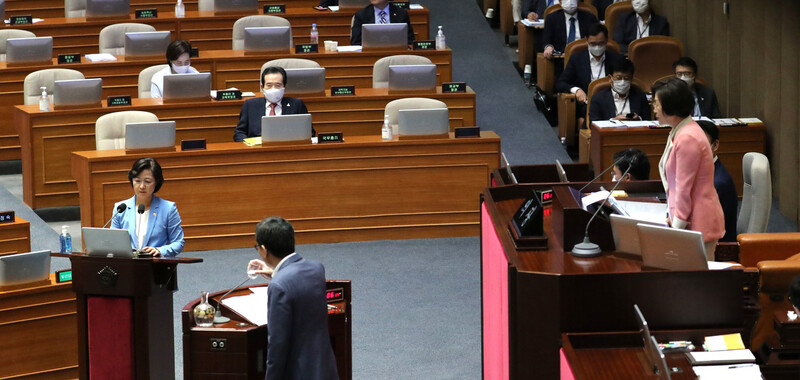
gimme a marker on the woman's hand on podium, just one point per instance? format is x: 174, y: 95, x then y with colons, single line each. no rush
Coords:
x: 151, y: 251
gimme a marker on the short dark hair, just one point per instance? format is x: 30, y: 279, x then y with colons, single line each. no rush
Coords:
x: 273, y: 70
x: 710, y: 129
x: 623, y: 66
x: 675, y: 96
x: 143, y: 164
x: 636, y: 160
x: 596, y: 29
x: 276, y: 235
x: 685, y: 61
x: 176, y: 49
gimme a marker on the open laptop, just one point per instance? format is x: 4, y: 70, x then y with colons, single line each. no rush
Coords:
x: 384, y: 36
x: 426, y: 121
x: 655, y: 357
x: 626, y: 233
x: 150, y: 135
x: 23, y: 268
x: 305, y: 81
x: 672, y: 248
x: 29, y: 50
x: 187, y: 86
x: 235, y: 6
x: 108, y: 9
x: 267, y: 38
x: 147, y: 44
x: 108, y: 242
x: 77, y: 92
x: 412, y: 77
x: 286, y: 128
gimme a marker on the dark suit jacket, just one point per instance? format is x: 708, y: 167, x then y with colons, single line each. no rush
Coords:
x: 578, y: 72
x: 366, y: 15
x: 299, y: 346
x: 726, y: 191
x: 555, y: 28
x: 601, y: 6
x: 707, y: 99
x: 626, y: 30
x: 602, y: 106
x: 537, y: 6
x: 328, y: 3
x: 254, y: 109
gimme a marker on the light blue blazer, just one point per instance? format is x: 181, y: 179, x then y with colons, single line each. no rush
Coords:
x: 164, y: 231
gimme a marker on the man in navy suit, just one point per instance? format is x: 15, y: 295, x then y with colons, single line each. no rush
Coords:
x: 564, y: 26
x: 621, y: 99
x: 379, y: 12
x: 723, y: 183
x: 273, y: 84
x: 705, y: 99
x: 299, y: 345
x: 534, y: 9
x: 601, y: 6
x: 642, y: 22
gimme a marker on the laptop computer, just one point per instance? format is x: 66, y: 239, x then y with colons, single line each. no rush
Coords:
x: 286, y: 128
x: 77, y: 92
x: 426, y: 121
x: 305, y: 81
x: 187, y: 86
x: 108, y: 242
x: 384, y: 36
x: 108, y: 9
x: 562, y: 174
x: 672, y: 248
x: 29, y: 50
x: 236, y: 6
x: 267, y: 38
x: 412, y: 77
x: 151, y: 135
x: 147, y: 44
x: 626, y: 234
x: 23, y: 268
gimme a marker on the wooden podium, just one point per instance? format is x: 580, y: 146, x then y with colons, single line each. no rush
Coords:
x: 125, y: 324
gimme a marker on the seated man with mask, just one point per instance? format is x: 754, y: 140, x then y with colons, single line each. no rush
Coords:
x: 642, y: 22
x: 621, y: 100
x: 273, y: 84
x: 634, y: 159
x: 705, y: 99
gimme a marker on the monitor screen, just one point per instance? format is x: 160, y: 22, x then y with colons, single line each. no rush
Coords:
x: 384, y: 36
x: 420, y: 122
x: 236, y: 6
x: 108, y: 8
x: 286, y: 128
x: 412, y: 77
x: 187, y: 86
x: 77, y: 92
x: 268, y: 38
x: 147, y: 44
x: 29, y: 50
x: 22, y: 268
x: 150, y: 135
x: 305, y: 81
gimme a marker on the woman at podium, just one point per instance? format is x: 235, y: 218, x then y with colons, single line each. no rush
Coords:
x: 153, y: 223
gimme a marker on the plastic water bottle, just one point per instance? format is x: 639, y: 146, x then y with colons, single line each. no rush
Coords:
x: 44, y: 100
x: 314, y: 34
x: 66, y: 240
x: 440, y: 41
x: 180, y: 10
x: 527, y: 74
x: 386, y: 131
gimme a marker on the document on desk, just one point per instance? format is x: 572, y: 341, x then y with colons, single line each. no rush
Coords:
x: 750, y: 120
x: 101, y: 57
x: 251, y: 307
x: 608, y: 124
x: 654, y: 212
x: 729, y: 372
x: 532, y: 24
x: 348, y: 48
x: 721, y: 357
x: 640, y: 123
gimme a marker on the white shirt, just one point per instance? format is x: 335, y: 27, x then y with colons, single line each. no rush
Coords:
x: 378, y: 11
x: 577, y: 25
x: 141, y: 224
x: 157, y: 81
x: 662, y: 164
x: 642, y: 28
x: 278, y: 108
x: 281, y: 262
x: 597, y: 67
x: 621, y: 103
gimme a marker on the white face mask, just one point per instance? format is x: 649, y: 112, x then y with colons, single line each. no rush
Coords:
x: 640, y: 6
x: 181, y: 69
x: 621, y: 86
x: 597, y: 50
x: 569, y: 6
x: 273, y: 95
x: 689, y: 80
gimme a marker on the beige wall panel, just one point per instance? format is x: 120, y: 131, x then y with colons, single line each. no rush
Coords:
x: 786, y: 164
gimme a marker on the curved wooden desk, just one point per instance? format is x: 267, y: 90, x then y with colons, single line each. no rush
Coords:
x: 55, y: 8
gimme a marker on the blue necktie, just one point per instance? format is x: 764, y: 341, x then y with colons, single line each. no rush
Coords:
x: 550, y: 2
x: 382, y: 15
x: 571, y: 32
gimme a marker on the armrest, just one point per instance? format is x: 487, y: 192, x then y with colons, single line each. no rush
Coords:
x: 767, y: 246
x: 545, y: 73
x: 566, y: 117
x: 776, y: 275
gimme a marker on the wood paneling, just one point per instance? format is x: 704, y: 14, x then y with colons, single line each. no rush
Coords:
x: 15, y: 237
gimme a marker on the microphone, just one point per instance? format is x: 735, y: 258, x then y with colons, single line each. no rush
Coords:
x: 140, y: 211
x: 122, y: 207
x: 604, y: 172
x: 218, y: 318
x: 587, y: 248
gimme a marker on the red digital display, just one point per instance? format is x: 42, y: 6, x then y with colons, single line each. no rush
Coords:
x: 334, y: 295
x: 547, y: 196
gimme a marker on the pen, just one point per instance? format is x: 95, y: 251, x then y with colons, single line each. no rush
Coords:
x: 739, y: 366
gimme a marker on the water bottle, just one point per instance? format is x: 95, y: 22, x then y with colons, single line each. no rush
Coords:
x: 386, y: 131
x: 44, y: 100
x: 66, y: 240
x: 527, y: 74
x: 440, y: 41
x: 180, y: 10
x: 314, y: 34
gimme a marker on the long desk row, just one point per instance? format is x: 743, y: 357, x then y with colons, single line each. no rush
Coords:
x: 362, y: 189
x: 48, y: 138
x: 208, y: 31
x: 55, y: 8
x: 228, y: 68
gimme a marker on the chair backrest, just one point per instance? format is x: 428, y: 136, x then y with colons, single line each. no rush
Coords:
x: 394, y: 106
x: 109, y: 130
x: 32, y: 87
x: 581, y: 5
x: 144, y: 79
x: 580, y: 45
x: 252, y: 22
x: 756, y: 194
x: 290, y: 63
x: 380, y: 71
x: 112, y: 37
x: 653, y: 57
x: 614, y: 11
x: 5, y: 34
x: 696, y: 79
x: 205, y: 5
x: 74, y: 8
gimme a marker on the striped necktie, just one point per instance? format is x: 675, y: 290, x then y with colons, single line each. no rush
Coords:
x: 382, y: 15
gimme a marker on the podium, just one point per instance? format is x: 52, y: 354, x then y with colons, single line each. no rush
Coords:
x: 124, y: 307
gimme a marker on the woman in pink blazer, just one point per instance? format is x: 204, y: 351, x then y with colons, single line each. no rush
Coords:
x: 687, y: 166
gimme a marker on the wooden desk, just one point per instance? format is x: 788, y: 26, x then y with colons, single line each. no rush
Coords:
x: 48, y: 138
x: 363, y: 189
x: 40, y: 332
x: 531, y: 297
x: 208, y: 31
x: 734, y: 142
x: 15, y: 237
x: 526, y: 42
x: 228, y: 68
x: 55, y: 8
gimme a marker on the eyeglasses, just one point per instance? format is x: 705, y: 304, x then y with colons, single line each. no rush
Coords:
x: 685, y: 74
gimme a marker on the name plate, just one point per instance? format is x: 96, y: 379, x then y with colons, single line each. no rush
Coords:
x: 7, y: 217
x: 527, y: 221
x: 401, y: 4
x: 69, y: 58
x: 467, y: 132
x: 275, y: 8
x: 454, y: 87
x: 306, y: 48
x: 331, y: 137
x: 147, y: 13
x: 424, y: 45
x: 343, y: 90
x: 21, y: 20
x: 63, y: 276
x: 198, y: 144
x: 121, y: 100
x: 228, y: 95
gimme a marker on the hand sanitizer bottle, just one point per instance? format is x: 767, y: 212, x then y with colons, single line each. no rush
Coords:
x: 44, y: 100
x: 386, y: 131
x: 314, y: 34
x: 440, y: 41
x: 66, y: 240
x: 180, y: 10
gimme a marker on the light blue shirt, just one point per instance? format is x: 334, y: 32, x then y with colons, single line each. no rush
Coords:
x: 378, y: 17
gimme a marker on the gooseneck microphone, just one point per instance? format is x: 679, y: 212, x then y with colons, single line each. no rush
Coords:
x: 218, y: 318
x: 122, y: 207
x: 604, y: 172
x: 140, y: 211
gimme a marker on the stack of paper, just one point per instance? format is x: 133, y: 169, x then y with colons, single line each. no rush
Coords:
x: 101, y: 57
x: 721, y: 357
x: 529, y: 23
x: 252, y: 141
x: 724, y: 342
x: 728, y: 372
x: 251, y: 307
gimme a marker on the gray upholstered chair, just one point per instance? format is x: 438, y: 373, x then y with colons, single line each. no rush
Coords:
x: 74, y: 8
x: 290, y: 63
x: 380, y: 71
x: 109, y: 130
x: 112, y: 37
x: 394, y: 106
x: 5, y: 34
x: 756, y: 195
x: 32, y: 87
x: 144, y: 79
x: 205, y: 5
x: 255, y: 21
